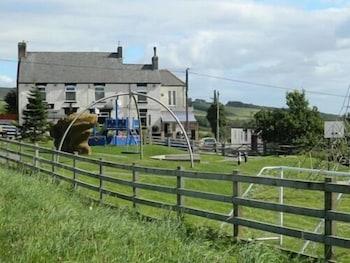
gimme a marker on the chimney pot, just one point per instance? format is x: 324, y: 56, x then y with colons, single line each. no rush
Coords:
x: 22, y: 50
x: 155, y: 59
x: 120, y: 52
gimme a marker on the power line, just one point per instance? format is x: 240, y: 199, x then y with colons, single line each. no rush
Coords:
x: 263, y: 84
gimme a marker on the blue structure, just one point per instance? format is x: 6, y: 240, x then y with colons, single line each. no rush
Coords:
x: 125, y: 132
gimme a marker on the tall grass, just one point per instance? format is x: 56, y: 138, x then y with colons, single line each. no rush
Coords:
x: 256, y: 253
x: 44, y: 222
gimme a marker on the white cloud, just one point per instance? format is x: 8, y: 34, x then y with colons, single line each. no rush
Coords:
x: 280, y: 45
x: 6, y: 81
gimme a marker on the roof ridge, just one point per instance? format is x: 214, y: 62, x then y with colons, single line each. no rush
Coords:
x: 107, y: 52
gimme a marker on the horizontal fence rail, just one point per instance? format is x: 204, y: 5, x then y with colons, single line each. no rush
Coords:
x: 45, y: 160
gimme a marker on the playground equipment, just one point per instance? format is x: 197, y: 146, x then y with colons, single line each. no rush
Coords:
x: 118, y: 131
x: 132, y: 94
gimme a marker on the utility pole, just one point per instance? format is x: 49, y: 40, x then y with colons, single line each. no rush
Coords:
x: 217, y: 117
x: 186, y: 102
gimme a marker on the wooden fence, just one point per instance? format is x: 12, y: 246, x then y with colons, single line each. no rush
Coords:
x: 12, y: 152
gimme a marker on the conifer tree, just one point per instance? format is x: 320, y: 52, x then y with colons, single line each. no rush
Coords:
x: 11, y: 102
x: 35, y: 117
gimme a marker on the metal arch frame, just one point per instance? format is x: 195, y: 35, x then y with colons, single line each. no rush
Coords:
x: 138, y: 117
x: 130, y: 93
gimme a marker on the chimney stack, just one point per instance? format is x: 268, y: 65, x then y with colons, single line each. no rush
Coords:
x: 120, y: 52
x: 155, y: 59
x: 22, y: 50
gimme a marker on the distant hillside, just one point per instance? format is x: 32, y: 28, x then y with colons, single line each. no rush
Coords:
x: 245, y: 105
x: 4, y: 91
x: 239, y: 113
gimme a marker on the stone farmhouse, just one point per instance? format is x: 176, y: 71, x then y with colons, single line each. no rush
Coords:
x: 70, y: 81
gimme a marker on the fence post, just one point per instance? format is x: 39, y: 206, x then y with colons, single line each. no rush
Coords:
x: 169, y: 142
x: 7, y: 154
x: 281, y: 201
x: 20, y: 152
x: 53, y: 159
x: 19, y: 164
x: 179, y: 184
x: 134, y: 188
x: 101, y: 181
x: 235, y: 209
x: 36, y: 156
x: 328, y: 223
x: 74, y: 171
x: 223, y: 149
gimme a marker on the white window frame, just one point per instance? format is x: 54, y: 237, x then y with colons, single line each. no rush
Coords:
x: 172, y: 98
x: 143, y: 117
x: 42, y: 89
x: 99, y: 88
x: 144, y: 98
x: 103, y: 114
x: 70, y: 88
x: 169, y: 97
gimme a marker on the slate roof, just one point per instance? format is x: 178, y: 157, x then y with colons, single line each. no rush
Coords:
x: 181, y: 115
x: 169, y: 79
x: 88, y: 67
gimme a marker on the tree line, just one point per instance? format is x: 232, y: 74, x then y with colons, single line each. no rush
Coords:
x: 297, y: 124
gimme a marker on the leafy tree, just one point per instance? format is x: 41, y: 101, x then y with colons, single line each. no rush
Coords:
x: 11, y: 102
x: 211, y: 116
x: 202, y: 121
x: 35, y: 117
x: 298, y: 124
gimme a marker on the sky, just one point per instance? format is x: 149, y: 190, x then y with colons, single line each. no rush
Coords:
x: 301, y: 44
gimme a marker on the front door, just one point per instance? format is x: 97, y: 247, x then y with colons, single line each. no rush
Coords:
x: 166, y: 128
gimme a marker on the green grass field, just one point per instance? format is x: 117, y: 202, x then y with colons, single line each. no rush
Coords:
x: 233, y: 113
x: 214, y: 163
x: 45, y: 222
x: 2, y: 107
